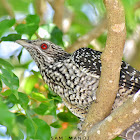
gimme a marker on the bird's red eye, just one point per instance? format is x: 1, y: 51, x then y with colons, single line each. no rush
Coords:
x: 44, y: 46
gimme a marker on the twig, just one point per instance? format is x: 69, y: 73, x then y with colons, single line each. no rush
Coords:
x: 37, y: 35
x: 40, y: 6
x: 84, y: 40
x: 51, y: 2
x: 137, y: 5
x: 58, y: 6
x: 8, y: 8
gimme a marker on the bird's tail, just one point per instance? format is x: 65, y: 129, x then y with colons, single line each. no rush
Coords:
x: 132, y: 133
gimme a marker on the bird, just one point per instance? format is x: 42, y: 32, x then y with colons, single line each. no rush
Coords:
x: 75, y: 77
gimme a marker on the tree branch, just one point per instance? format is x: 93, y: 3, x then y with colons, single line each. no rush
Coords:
x: 40, y: 6
x: 8, y: 8
x: 120, y: 119
x: 137, y: 5
x: 109, y: 81
x: 58, y: 6
x: 84, y: 40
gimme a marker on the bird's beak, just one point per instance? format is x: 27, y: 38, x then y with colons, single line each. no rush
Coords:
x: 24, y: 42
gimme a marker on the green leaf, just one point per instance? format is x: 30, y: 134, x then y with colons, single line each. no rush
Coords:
x: 5, y: 25
x: 58, y: 98
x: 118, y: 138
x: 56, y: 36
x: 31, y: 127
x: 37, y: 129
x: 32, y: 24
x: 11, y: 81
x: 43, y: 131
x: 7, y: 92
x: 55, y: 33
x: 23, y: 66
x: 6, y: 73
x: 13, y: 99
x: 23, y: 99
x: 0, y: 85
x: 19, y: 56
x: 20, y: 118
x: 67, y: 117
x: 41, y: 109
x: 55, y: 124
x: 6, y: 64
x: 15, y: 82
x: 32, y: 19
x: 38, y: 96
x: 30, y: 82
x: 47, y: 108
x: 28, y: 29
x: 11, y: 37
x: 20, y: 98
x: 20, y: 135
x: 6, y: 118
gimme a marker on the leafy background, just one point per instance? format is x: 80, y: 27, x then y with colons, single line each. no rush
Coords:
x: 28, y: 108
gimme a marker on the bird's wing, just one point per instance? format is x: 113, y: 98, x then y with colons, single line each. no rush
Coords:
x: 129, y: 77
x: 88, y: 61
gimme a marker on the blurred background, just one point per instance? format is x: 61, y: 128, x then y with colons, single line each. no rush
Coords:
x: 28, y: 108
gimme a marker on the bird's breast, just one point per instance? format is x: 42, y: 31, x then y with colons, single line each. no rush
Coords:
x: 69, y: 82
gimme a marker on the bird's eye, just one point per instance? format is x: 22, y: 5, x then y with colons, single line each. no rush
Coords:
x: 44, y: 46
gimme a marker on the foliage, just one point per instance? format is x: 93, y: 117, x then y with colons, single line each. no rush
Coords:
x: 28, y: 108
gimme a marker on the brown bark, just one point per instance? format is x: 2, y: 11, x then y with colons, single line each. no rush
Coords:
x: 58, y: 7
x: 8, y: 8
x: 40, y: 6
x: 111, y: 63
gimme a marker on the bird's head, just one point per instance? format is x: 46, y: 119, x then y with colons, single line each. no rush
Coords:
x: 42, y: 50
